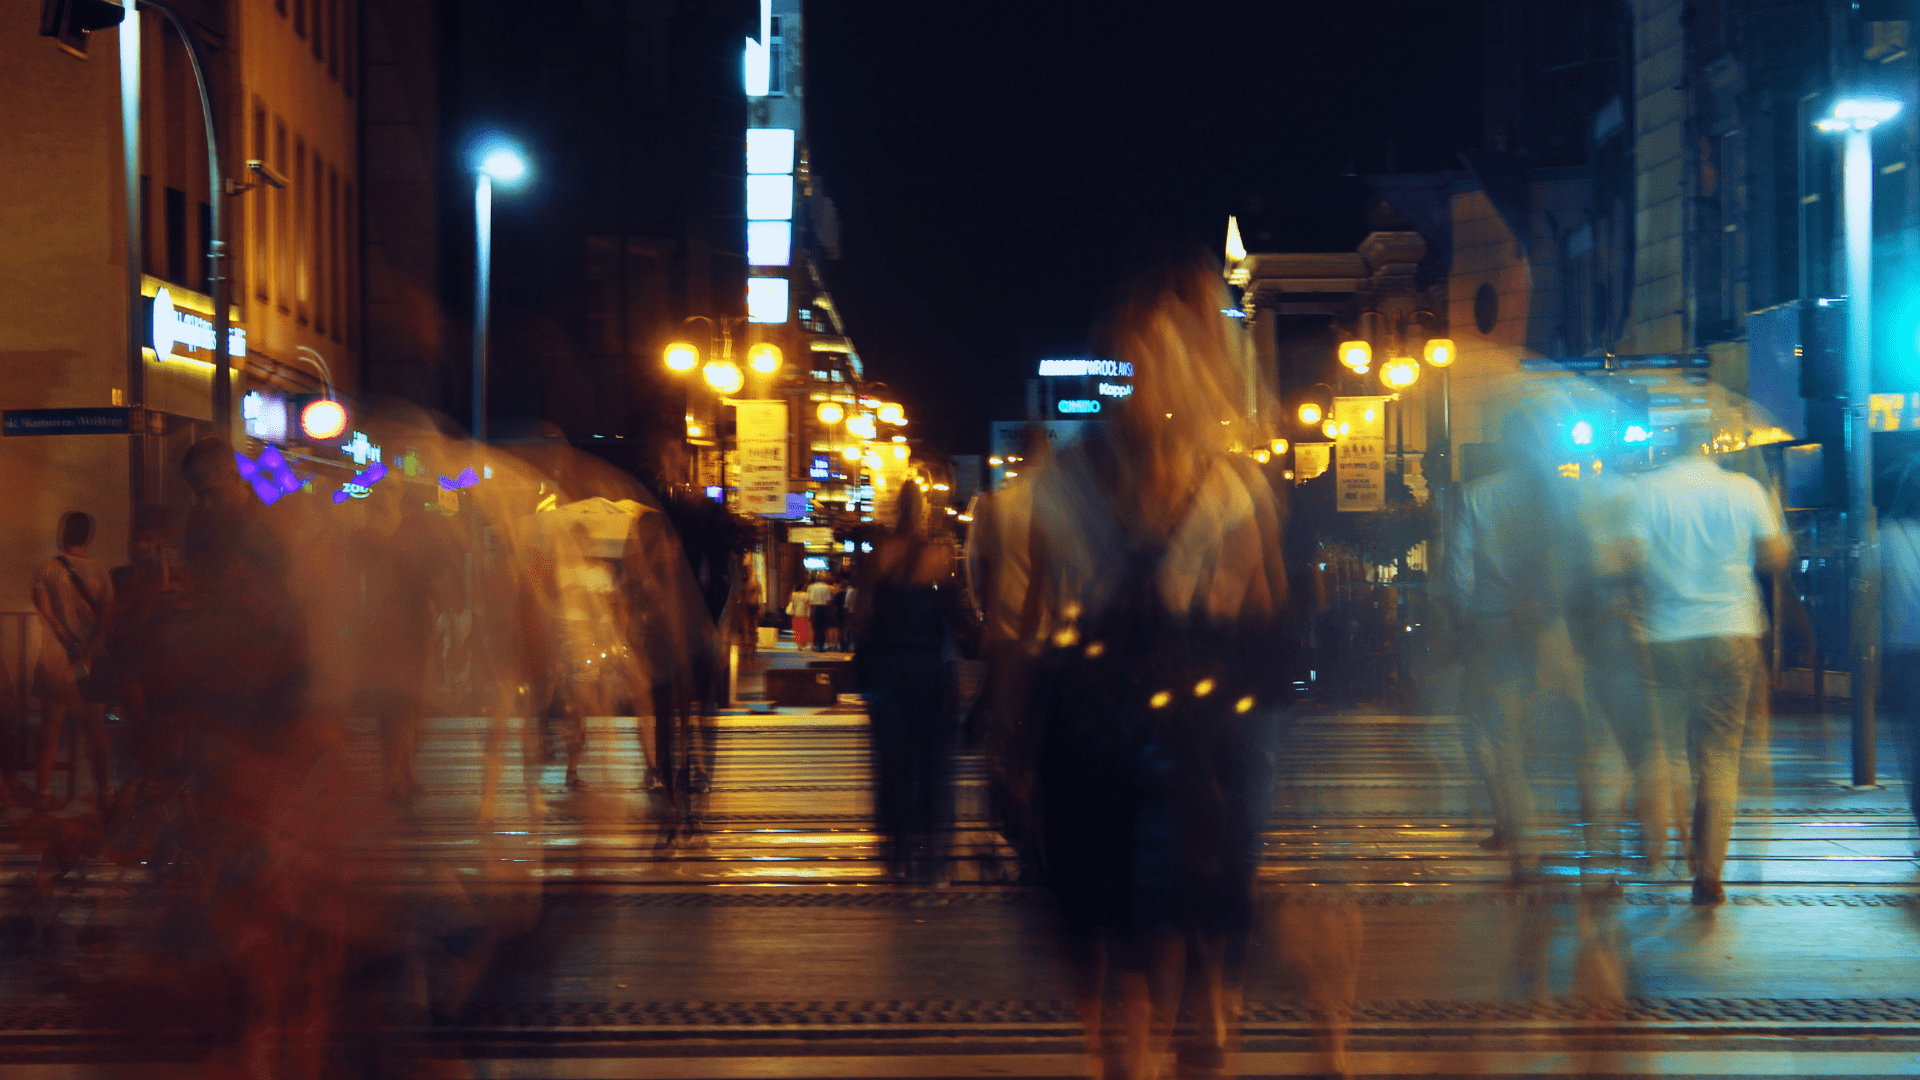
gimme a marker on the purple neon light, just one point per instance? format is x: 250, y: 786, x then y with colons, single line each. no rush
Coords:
x: 366, y: 479
x: 271, y: 477
x: 466, y: 479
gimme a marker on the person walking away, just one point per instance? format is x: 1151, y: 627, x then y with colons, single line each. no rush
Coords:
x: 143, y: 590
x: 746, y: 606
x: 820, y: 610
x: 1155, y: 559
x: 800, y: 610
x: 905, y: 666
x: 842, y: 628
x: 1900, y: 618
x: 1510, y: 563
x: 72, y: 594
x: 1703, y: 532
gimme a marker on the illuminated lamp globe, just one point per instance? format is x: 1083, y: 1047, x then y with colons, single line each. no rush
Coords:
x: 1311, y: 413
x: 1278, y: 446
x: 1331, y: 429
x: 1400, y: 372
x: 893, y: 414
x: 851, y: 453
x: 900, y: 452
x: 764, y: 358
x: 1357, y: 355
x: 1439, y: 351
x: 831, y: 412
x: 682, y: 356
x: 323, y: 419
x: 724, y: 376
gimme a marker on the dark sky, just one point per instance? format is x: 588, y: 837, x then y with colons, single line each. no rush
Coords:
x: 998, y: 164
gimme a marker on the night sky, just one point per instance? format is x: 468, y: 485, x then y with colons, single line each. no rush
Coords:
x: 998, y: 165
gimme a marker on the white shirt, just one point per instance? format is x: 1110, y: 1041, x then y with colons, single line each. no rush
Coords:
x: 1699, y: 524
x: 819, y: 594
x: 1514, y: 543
x: 77, y: 615
x: 1900, y: 583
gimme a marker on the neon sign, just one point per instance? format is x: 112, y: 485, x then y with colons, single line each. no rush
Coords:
x: 1113, y: 390
x: 360, y: 486
x: 271, y: 477
x: 1080, y: 369
x: 466, y: 479
x: 1079, y: 405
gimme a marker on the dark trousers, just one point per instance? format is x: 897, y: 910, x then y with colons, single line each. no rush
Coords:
x: 820, y: 624
x: 1900, y: 697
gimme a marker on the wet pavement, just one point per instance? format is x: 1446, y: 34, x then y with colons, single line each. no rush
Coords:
x: 775, y: 946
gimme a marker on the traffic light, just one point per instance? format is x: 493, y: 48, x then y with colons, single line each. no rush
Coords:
x: 69, y: 22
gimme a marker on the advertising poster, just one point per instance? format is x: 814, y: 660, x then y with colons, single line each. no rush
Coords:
x: 1360, y: 453
x: 761, y: 431
x: 1310, y: 460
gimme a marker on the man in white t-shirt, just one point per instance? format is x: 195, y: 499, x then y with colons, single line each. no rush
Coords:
x: 1703, y: 531
x: 72, y: 593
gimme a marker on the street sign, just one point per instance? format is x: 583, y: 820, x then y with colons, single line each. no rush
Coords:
x: 104, y: 421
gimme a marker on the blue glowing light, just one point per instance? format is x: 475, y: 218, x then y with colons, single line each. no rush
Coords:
x: 1582, y: 434
x: 1079, y: 405
x: 1635, y: 433
x: 357, y: 488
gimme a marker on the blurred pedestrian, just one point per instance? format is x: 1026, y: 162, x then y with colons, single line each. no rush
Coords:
x: 905, y: 664
x: 72, y: 593
x: 1155, y: 559
x: 1900, y: 618
x: 746, y: 611
x: 145, y: 591
x: 1705, y: 531
x: 820, y: 610
x: 800, y: 611
x: 1511, y: 562
x: 842, y: 628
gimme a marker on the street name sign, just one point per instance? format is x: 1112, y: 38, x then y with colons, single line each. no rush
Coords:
x: 111, y: 420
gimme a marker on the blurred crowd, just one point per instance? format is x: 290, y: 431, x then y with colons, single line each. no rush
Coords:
x: 1140, y: 599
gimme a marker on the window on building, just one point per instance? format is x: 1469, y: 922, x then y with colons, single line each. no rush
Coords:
x: 282, y: 238
x: 352, y: 227
x: 336, y: 284
x: 258, y: 254
x: 776, y: 61
x: 146, y: 226
x: 302, y: 239
x: 319, y: 249
x: 174, y: 221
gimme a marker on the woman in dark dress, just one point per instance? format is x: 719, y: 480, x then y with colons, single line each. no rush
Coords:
x: 1156, y: 569
x: 905, y: 663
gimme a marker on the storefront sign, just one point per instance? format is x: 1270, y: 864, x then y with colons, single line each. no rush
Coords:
x: 815, y: 537
x: 761, y: 428
x: 1360, y: 453
x: 1080, y: 369
x: 168, y: 327
x: 1079, y: 405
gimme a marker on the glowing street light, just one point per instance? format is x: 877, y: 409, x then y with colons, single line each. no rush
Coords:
x: 496, y: 160
x: 682, y: 357
x: 724, y: 376
x: 1310, y: 413
x: 831, y: 412
x: 1357, y: 355
x: 893, y: 414
x: 1331, y: 429
x: 1278, y: 446
x: 1857, y: 117
x: 1400, y: 372
x: 1439, y: 352
x: 850, y: 452
x: 764, y: 357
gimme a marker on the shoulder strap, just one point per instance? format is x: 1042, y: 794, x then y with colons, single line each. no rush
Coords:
x: 85, y: 593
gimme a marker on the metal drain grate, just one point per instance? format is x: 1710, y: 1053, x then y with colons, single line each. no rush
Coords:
x: 1788, y: 1012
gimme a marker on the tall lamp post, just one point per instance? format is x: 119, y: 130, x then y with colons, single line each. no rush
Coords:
x: 1856, y: 117
x: 498, y: 161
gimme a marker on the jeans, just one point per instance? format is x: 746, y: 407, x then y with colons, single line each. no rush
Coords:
x: 820, y: 625
x: 1706, y: 684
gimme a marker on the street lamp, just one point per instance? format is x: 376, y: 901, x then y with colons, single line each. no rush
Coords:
x: 682, y: 357
x: 496, y: 161
x: 723, y: 375
x: 831, y: 412
x: 1400, y: 372
x: 1357, y: 355
x: 764, y: 357
x: 1856, y: 117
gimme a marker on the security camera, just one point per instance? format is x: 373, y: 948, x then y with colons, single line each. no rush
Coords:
x: 267, y: 175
